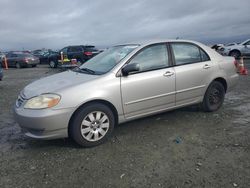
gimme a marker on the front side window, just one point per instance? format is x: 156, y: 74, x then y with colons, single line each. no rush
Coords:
x: 185, y: 53
x: 64, y: 50
x: 151, y: 58
x: 247, y: 43
x: 13, y: 55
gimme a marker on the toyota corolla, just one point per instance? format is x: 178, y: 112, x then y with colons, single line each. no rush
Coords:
x: 124, y: 83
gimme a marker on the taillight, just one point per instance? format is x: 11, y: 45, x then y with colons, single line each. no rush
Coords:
x: 88, y: 53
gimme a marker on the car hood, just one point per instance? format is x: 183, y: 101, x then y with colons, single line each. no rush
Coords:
x: 54, y: 83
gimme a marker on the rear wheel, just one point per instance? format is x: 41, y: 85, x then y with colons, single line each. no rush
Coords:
x: 92, y: 125
x: 52, y: 64
x: 235, y: 53
x: 214, y: 97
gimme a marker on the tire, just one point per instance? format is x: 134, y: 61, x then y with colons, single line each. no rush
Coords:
x: 235, y: 53
x: 34, y: 65
x: 18, y: 65
x: 214, y: 97
x: 79, y: 63
x: 52, y: 64
x: 92, y: 125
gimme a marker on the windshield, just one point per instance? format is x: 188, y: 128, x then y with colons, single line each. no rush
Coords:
x: 108, y: 59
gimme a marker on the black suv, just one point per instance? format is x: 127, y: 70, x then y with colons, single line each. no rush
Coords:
x: 79, y: 53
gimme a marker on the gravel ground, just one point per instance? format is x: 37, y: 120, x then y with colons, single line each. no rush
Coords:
x: 181, y: 148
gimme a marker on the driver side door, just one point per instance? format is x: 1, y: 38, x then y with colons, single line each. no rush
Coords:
x: 152, y: 88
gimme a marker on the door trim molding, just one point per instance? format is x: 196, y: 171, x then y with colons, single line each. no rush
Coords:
x: 150, y: 98
x: 189, y: 89
x: 164, y: 95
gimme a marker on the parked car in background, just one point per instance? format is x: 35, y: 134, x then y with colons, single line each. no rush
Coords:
x: 80, y: 53
x: 236, y: 50
x: 20, y: 59
x: 1, y: 72
x: 217, y: 47
x: 123, y: 83
x: 44, y: 56
x: 231, y: 44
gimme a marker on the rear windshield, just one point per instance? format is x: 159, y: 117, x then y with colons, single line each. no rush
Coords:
x: 91, y: 48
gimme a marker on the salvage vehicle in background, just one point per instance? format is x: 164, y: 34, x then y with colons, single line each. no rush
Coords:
x: 20, y: 59
x: 80, y: 53
x: 44, y: 56
x: 123, y: 83
x: 217, y: 47
x: 236, y: 50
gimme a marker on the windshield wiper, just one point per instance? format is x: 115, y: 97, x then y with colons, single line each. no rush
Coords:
x: 78, y: 69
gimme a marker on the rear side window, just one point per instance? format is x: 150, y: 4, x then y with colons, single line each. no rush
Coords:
x: 204, y: 56
x: 90, y: 49
x: 75, y: 49
x: 151, y: 58
x: 185, y: 53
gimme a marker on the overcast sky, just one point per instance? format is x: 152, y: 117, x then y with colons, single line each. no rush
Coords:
x: 32, y: 24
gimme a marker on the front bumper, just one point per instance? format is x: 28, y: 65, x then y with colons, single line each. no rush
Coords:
x: 44, y: 124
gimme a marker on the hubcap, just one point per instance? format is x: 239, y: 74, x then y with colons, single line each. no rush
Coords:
x: 215, y: 96
x: 52, y: 64
x: 94, y: 126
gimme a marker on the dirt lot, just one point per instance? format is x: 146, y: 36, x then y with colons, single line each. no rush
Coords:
x: 181, y: 148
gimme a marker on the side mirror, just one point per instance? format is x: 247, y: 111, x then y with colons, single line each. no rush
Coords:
x: 130, y: 68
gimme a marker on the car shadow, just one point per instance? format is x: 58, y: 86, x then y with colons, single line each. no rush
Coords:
x: 121, y: 129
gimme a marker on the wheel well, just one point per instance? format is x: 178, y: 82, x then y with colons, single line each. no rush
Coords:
x: 110, y: 105
x: 234, y: 50
x: 223, y: 82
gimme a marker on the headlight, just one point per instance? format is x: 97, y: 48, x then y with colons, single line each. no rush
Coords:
x: 42, y: 101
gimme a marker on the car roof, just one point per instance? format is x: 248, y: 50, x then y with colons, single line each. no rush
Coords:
x: 166, y: 40
x: 149, y: 42
x: 88, y: 46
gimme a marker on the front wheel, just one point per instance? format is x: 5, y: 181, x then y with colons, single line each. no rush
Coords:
x: 92, y: 125
x: 214, y: 97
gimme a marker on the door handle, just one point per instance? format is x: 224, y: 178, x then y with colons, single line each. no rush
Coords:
x: 206, y: 66
x: 168, y: 73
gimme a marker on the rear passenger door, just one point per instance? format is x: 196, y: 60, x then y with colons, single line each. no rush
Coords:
x: 75, y: 52
x: 193, y: 69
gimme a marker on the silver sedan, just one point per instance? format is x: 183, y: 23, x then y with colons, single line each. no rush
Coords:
x: 124, y: 83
